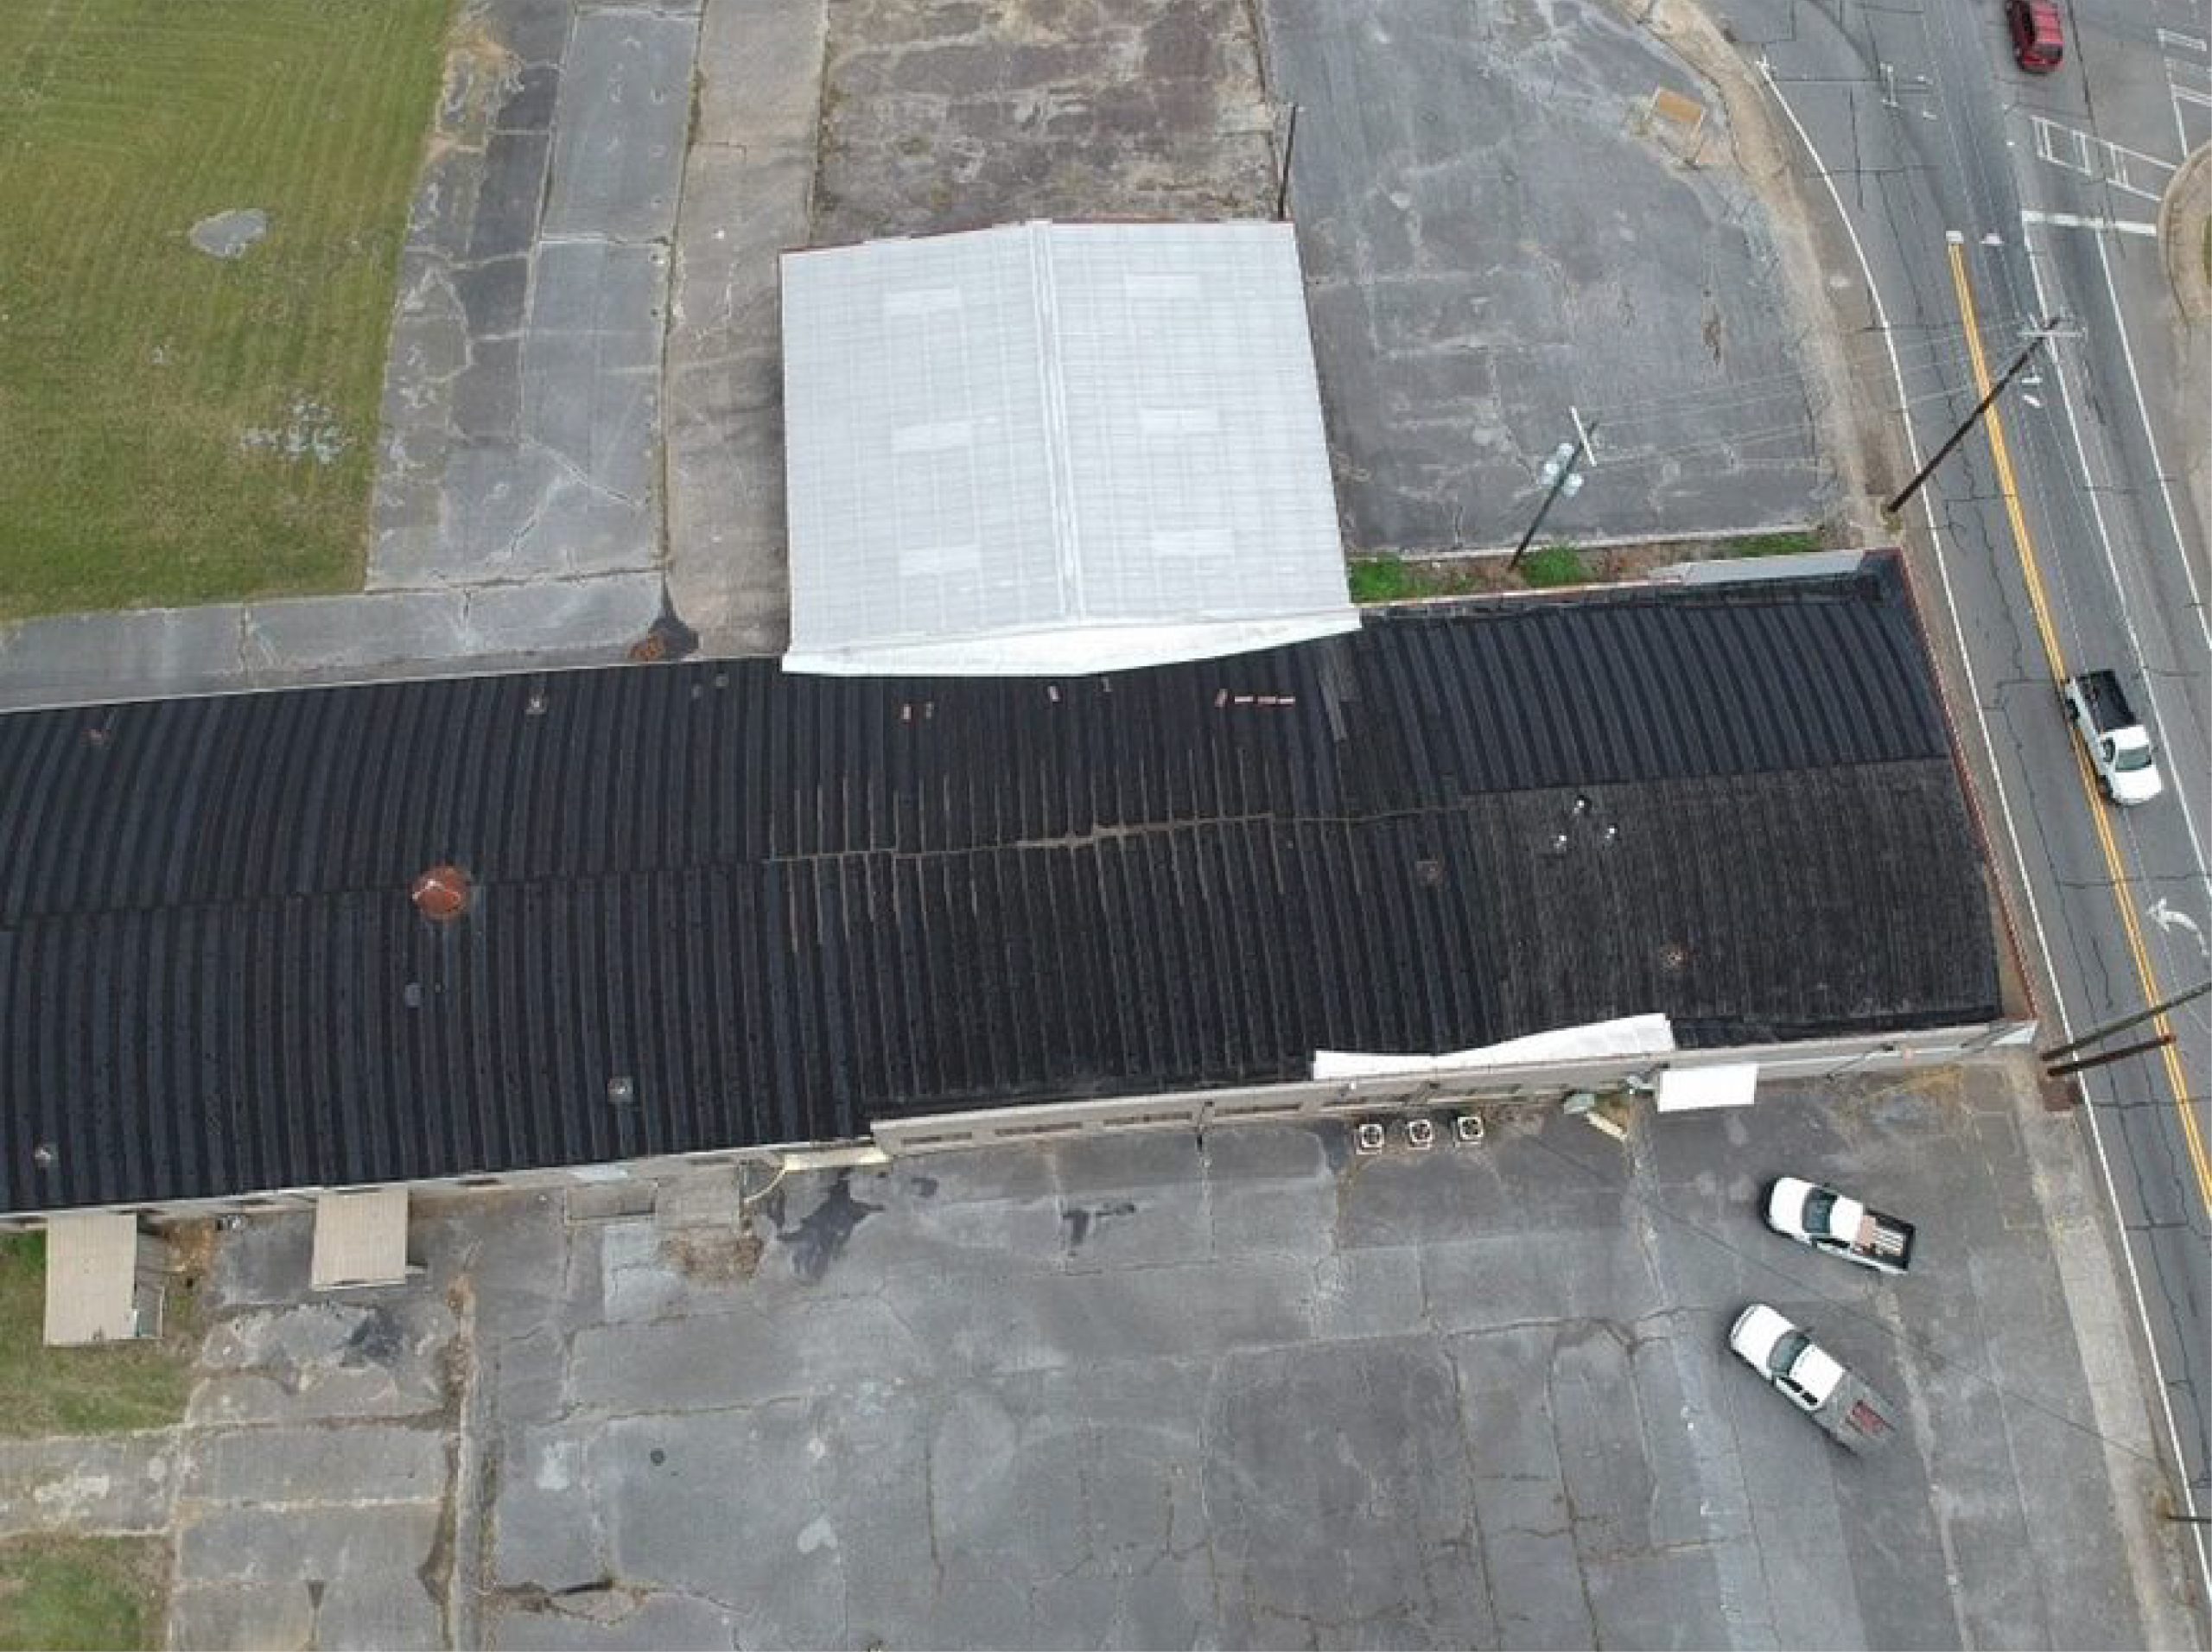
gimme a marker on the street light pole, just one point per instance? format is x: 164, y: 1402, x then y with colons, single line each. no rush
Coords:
x: 2036, y: 343
x: 1559, y: 471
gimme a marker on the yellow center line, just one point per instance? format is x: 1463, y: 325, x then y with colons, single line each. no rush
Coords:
x: 2152, y: 993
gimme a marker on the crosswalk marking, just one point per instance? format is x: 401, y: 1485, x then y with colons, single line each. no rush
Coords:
x: 2076, y: 221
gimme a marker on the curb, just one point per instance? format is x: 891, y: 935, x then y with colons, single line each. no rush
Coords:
x: 2183, y: 213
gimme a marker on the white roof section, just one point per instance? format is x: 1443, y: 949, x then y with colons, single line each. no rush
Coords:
x: 1054, y: 448
x: 1628, y: 1035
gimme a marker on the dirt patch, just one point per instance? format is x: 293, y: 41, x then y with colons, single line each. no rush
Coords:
x: 728, y: 1255
x: 946, y: 115
x: 479, y: 73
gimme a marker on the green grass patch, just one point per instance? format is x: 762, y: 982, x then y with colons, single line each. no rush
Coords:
x: 152, y: 397
x: 1380, y: 579
x: 66, y: 1593
x: 1550, y: 565
x: 1792, y: 542
x: 82, y: 1390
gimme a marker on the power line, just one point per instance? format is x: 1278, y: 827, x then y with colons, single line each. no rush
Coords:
x: 1950, y: 342
x: 1683, y: 406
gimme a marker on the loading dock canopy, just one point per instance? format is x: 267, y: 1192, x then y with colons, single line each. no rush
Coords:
x: 1055, y: 449
x: 91, y: 1278
x: 360, y: 1238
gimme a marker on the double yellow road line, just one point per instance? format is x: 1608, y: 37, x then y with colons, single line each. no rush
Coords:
x: 2056, y: 656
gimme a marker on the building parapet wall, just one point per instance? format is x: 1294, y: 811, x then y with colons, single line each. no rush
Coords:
x: 1527, y: 1084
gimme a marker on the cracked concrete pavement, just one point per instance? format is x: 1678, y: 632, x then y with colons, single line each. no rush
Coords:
x: 1147, y: 1391
x: 1497, y: 228
x: 1142, y: 1390
x: 521, y: 408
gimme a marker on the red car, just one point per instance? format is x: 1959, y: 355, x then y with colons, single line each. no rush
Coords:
x: 2038, y: 34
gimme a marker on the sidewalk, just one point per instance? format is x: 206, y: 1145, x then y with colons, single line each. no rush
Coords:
x: 101, y: 1485
x: 2185, y: 238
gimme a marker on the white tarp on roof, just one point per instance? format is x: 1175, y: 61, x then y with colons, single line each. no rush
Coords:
x: 1627, y: 1035
x: 1053, y: 448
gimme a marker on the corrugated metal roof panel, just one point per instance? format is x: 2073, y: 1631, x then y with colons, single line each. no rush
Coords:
x: 1043, y: 446
x: 766, y: 908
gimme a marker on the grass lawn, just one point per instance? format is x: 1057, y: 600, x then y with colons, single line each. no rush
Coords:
x: 1553, y: 565
x: 1393, y: 579
x: 81, y: 1390
x: 1380, y: 579
x: 152, y: 397
x: 70, y: 1593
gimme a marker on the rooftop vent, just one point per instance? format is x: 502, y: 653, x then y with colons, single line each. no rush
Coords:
x: 442, y: 893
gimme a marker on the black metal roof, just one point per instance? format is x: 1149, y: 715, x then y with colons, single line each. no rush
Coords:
x: 778, y: 906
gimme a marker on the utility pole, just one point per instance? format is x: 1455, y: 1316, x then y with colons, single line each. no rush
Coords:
x: 2036, y: 343
x: 2097, y: 1034
x: 2105, y: 1058
x: 1289, y: 148
x: 1559, y: 471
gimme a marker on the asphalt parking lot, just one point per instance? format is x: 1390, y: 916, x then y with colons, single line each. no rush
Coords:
x: 1143, y: 1391
x: 1135, y: 1391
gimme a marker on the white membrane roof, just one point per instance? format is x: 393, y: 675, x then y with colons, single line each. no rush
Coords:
x: 1052, y: 448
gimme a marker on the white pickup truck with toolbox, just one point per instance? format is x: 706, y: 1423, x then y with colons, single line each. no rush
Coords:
x: 2115, y: 742
x: 1816, y: 1215
x: 1811, y: 1379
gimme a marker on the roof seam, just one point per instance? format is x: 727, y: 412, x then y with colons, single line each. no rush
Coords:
x: 1059, y: 457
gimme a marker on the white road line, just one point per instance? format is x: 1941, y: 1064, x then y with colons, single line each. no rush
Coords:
x: 2099, y: 159
x: 2076, y: 221
x: 2174, y: 40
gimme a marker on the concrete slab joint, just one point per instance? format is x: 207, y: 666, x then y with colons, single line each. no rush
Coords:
x: 543, y: 287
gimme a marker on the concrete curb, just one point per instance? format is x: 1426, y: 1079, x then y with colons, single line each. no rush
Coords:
x: 299, y: 642
x: 2184, y: 215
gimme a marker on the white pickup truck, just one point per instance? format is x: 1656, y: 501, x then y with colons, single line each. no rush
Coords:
x: 1811, y: 1379
x: 1818, y: 1215
x: 2115, y: 742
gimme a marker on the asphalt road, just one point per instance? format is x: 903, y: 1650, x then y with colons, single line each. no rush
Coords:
x: 1982, y: 200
